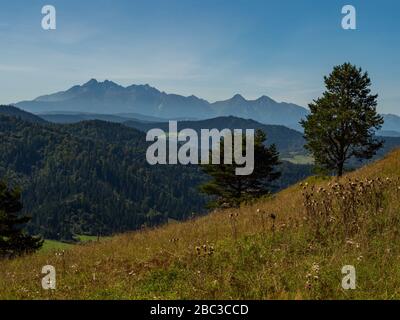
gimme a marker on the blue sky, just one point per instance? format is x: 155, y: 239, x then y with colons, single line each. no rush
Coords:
x: 210, y: 48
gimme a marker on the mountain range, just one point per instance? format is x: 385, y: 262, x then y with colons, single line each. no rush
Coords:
x: 147, y: 103
x: 110, y: 98
x: 391, y: 127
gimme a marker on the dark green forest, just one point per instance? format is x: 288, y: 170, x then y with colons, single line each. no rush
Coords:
x: 92, y: 178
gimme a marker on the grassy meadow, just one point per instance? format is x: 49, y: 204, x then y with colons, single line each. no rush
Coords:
x: 52, y: 245
x: 292, y: 245
x: 300, y: 159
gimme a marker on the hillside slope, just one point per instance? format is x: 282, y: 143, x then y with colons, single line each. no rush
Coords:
x: 319, y: 227
x: 20, y: 114
x: 91, y: 178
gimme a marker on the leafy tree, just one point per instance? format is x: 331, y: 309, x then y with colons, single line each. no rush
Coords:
x: 230, y: 189
x: 13, y: 241
x: 343, y: 121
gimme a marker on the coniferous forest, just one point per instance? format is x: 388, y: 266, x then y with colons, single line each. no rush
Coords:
x: 93, y: 178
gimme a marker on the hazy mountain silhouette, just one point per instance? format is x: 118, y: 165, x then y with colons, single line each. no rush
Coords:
x: 392, y: 125
x: 110, y: 98
x: 136, y: 101
x: 263, y: 109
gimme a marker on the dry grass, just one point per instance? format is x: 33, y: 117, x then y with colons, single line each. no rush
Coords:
x: 290, y: 246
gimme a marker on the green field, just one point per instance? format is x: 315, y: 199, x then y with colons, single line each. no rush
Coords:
x: 300, y: 159
x: 50, y: 245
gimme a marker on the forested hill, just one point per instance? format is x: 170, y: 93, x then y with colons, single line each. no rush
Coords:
x: 92, y: 177
x: 288, y: 141
x: 21, y: 114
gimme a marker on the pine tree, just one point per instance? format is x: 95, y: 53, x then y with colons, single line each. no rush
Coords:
x: 343, y: 121
x: 230, y: 189
x: 13, y: 241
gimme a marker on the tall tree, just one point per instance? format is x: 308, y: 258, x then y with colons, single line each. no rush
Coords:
x: 13, y: 241
x: 230, y: 189
x: 342, y: 123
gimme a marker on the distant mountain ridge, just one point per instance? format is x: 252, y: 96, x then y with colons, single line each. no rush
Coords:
x: 75, y: 117
x: 141, y: 101
x: 111, y: 98
x: 20, y: 114
x: 388, y: 133
x: 288, y: 141
x: 391, y: 126
x: 263, y: 109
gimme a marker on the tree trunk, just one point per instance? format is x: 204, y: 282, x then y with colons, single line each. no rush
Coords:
x: 340, y: 169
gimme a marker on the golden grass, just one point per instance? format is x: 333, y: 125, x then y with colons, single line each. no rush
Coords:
x: 264, y: 250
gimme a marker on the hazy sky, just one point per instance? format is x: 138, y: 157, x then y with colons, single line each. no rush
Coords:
x: 210, y: 48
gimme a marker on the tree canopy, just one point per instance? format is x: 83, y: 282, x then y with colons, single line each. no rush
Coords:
x: 342, y: 122
x: 229, y: 189
x: 13, y: 240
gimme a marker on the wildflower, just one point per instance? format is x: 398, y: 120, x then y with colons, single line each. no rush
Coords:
x: 315, y: 267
